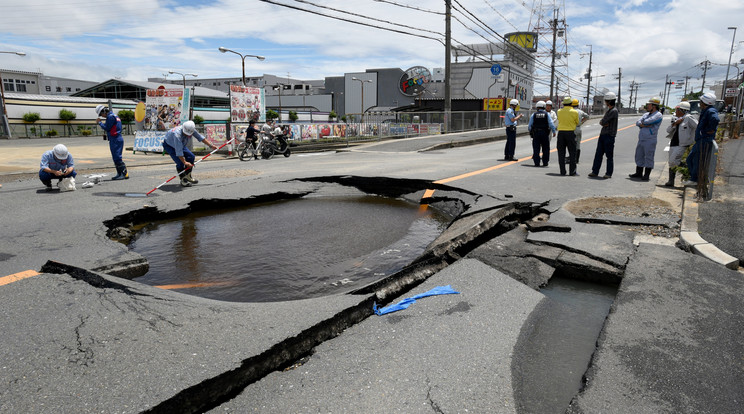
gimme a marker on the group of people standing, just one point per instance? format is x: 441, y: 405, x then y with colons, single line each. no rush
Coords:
x: 683, y: 132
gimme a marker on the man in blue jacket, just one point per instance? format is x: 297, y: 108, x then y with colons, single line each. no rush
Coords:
x: 56, y: 163
x: 112, y: 126
x: 175, y: 144
x: 541, y: 128
x: 648, y: 131
x: 705, y: 134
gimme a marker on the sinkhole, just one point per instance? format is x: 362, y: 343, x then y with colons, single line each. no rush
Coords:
x: 287, y: 250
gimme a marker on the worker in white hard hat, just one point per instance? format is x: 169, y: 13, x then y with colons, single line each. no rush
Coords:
x: 510, y: 120
x: 648, y: 126
x: 56, y: 163
x: 568, y: 120
x: 553, y: 115
x: 541, y: 128
x: 112, y: 127
x: 682, y: 134
x: 176, y: 145
x: 606, y: 140
x: 705, y: 133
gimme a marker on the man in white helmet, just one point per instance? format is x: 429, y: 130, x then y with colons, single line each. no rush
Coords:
x: 646, y: 148
x: 541, y: 127
x: 606, y: 140
x: 705, y: 133
x: 510, y: 120
x: 553, y: 115
x: 56, y: 163
x: 682, y: 133
x: 112, y: 126
x: 176, y: 145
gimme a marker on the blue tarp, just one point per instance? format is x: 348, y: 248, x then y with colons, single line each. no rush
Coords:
x: 439, y: 290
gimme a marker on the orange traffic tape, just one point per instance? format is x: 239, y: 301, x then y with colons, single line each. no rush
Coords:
x: 5, y: 280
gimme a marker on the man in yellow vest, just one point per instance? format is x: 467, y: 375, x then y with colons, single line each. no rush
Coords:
x: 568, y: 120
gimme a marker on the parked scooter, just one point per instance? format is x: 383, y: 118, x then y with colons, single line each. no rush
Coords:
x: 278, y: 143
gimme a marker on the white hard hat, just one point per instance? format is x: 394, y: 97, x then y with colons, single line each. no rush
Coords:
x: 549, y: 102
x: 708, y: 98
x: 60, y: 152
x: 685, y: 106
x: 189, y: 128
x: 540, y: 104
x: 99, y: 109
x: 655, y: 101
x: 610, y: 96
x: 514, y: 102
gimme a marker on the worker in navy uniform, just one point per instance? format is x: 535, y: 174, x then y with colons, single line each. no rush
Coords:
x: 541, y: 128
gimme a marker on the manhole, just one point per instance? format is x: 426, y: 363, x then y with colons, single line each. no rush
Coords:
x: 287, y: 250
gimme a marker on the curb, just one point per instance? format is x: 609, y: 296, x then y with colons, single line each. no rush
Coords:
x: 690, y: 238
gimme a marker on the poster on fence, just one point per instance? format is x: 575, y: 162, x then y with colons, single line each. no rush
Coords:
x: 246, y: 103
x: 149, y: 141
x: 163, y: 109
x: 216, y: 134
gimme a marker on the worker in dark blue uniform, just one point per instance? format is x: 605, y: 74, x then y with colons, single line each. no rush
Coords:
x: 541, y: 127
x: 112, y: 126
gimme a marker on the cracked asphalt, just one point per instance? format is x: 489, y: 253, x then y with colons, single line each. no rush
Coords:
x: 77, y: 339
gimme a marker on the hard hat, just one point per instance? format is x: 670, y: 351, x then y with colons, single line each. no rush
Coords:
x: 708, y: 98
x: 540, y: 104
x: 655, y: 100
x: 99, y: 109
x: 567, y: 100
x: 60, y: 152
x: 574, y: 102
x: 514, y: 102
x: 685, y: 106
x: 549, y: 102
x: 610, y: 96
x: 188, y: 128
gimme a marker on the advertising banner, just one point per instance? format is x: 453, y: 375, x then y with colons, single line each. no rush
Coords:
x: 247, y: 103
x: 149, y: 141
x: 186, y: 105
x: 216, y: 134
x: 163, y: 109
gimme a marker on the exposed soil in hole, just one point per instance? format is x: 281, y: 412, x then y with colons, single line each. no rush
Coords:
x: 647, y: 207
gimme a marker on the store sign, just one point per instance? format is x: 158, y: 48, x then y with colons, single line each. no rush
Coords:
x: 414, y: 81
x: 494, y: 104
x: 731, y: 92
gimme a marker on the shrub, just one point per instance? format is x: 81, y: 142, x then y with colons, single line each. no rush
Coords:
x: 198, y: 120
x: 293, y: 116
x: 126, y: 116
x: 67, y: 115
x: 271, y: 114
x: 51, y: 133
x: 31, y: 117
x: 86, y: 132
x: 332, y: 115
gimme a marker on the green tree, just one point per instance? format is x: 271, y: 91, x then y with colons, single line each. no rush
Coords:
x: 198, y: 120
x: 30, y: 118
x: 126, y: 116
x: 271, y: 115
x: 293, y: 116
x: 332, y: 115
x: 67, y: 116
x: 692, y: 96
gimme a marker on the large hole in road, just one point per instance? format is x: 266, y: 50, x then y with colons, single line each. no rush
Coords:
x: 286, y: 250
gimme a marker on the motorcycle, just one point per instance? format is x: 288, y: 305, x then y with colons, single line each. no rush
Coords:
x: 276, y: 143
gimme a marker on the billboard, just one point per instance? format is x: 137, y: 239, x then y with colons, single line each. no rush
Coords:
x: 527, y: 40
x: 163, y: 109
x: 414, y: 81
x: 247, y: 103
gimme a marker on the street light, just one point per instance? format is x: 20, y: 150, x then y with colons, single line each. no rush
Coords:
x: 361, y: 83
x: 183, y: 75
x: 725, y: 82
x: 6, y: 126
x: 242, y: 57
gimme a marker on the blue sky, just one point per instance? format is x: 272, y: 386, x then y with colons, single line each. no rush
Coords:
x: 138, y: 39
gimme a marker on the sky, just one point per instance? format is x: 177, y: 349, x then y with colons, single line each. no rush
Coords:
x: 141, y: 39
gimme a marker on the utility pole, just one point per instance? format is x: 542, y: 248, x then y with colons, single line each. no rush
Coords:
x: 687, y: 80
x: 619, y: 80
x: 447, y: 63
x: 554, y: 24
x: 588, y: 76
x: 706, y: 64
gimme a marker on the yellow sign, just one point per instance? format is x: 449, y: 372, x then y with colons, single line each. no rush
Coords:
x: 493, y: 104
x: 139, y: 112
x: 527, y: 40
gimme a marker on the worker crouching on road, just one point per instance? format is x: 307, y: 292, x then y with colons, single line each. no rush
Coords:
x: 112, y: 126
x: 682, y: 133
x: 541, y: 128
x: 56, y: 163
x: 646, y: 148
x: 568, y: 120
x: 705, y: 134
x: 176, y: 145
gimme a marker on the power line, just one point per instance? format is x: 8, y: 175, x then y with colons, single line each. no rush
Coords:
x: 409, y: 7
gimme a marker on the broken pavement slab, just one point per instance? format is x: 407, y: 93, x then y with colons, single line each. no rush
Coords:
x: 667, y: 346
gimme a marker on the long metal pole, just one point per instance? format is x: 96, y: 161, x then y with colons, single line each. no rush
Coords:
x: 552, y: 62
x: 447, y: 64
x: 728, y: 67
x: 589, y: 81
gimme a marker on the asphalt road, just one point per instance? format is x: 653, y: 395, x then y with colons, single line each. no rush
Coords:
x: 78, y: 340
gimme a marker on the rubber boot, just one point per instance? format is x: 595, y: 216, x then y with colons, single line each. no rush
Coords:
x: 191, y: 179
x: 118, y: 174
x: 670, y: 183
x: 646, y: 174
x: 638, y: 173
x: 184, y: 181
x: 121, y: 173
